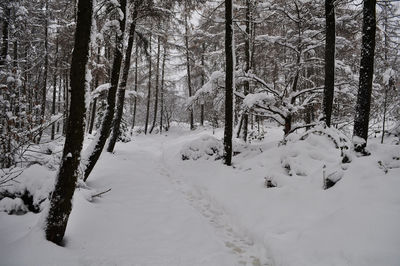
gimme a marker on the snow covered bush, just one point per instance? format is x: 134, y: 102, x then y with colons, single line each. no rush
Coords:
x: 318, y: 154
x: 29, y: 192
x: 205, y: 147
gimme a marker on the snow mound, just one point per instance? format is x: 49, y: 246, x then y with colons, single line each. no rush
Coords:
x: 205, y: 147
x: 318, y: 154
x: 31, y: 190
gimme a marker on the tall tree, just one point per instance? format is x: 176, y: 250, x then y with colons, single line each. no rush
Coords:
x: 189, y: 80
x: 363, y: 104
x: 109, y: 113
x: 148, y: 90
x: 162, y: 86
x: 157, y: 84
x: 122, y: 86
x: 329, y: 60
x: 229, y: 67
x: 60, y: 199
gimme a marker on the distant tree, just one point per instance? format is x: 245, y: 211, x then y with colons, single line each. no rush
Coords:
x: 363, y: 105
x: 60, y: 199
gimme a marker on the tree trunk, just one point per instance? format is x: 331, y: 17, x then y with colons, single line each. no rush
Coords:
x: 157, y: 78
x: 4, y: 42
x: 162, y: 87
x: 46, y: 67
x: 94, y: 104
x: 245, y: 121
x: 53, y: 106
x: 122, y: 87
x: 136, y: 87
x: 109, y: 113
x: 329, y: 60
x: 363, y: 104
x: 149, y: 90
x: 228, y: 82
x: 60, y: 199
x: 191, y: 120
x: 203, y: 81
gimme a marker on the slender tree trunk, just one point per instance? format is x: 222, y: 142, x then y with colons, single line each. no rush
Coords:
x: 329, y: 60
x: 229, y: 55
x: 203, y: 81
x: 363, y: 104
x: 66, y: 104
x: 149, y: 90
x: 4, y: 42
x: 162, y: 87
x: 60, y: 199
x: 109, y: 113
x: 59, y: 101
x: 245, y: 121
x: 191, y: 119
x: 157, y: 79
x: 53, y: 106
x: 46, y: 67
x: 115, y: 131
x: 94, y: 104
x: 136, y: 86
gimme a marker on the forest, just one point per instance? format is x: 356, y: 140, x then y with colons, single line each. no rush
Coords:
x: 208, y: 132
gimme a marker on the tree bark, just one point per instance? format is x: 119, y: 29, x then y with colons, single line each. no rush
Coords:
x: 149, y: 90
x: 245, y: 121
x: 363, y: 104
x: 60, y: 199
x: 136, y: 87
x: 191, y: 119
x: 329, y: 61
x: 46, y: 67
x: 122, y: 87
x: 4, y: 42
x: 228, y: 82
x: 203, y: 81
x: 162, y: 87
x: 53, y: 106
x: 109, y: 113
x: 157, y: 79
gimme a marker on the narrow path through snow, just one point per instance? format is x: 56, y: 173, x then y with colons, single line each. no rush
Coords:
x: 150, y: 217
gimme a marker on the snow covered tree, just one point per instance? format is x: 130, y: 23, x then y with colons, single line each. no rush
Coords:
x: 329, y: 60
x: 361, y: 120
x: 106, y: 124
x: 229, y: 81
x: 61, y: 197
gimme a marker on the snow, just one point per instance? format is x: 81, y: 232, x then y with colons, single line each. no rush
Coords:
x: 163, y: 210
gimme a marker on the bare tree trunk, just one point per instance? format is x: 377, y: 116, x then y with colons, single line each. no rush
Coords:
x: 329, y: 60
x: 60, y: 199
x: 203, y: 81
x: 245, y: 121
x: 46, y: 67
x: 109, y: 113
x: 157, y: 79
x: 149, y: 90
x: 191, y: 120
x: 363, y: 104
x: 115, y: 131
x: 53, y: 106
x: 94, y: 104
x: 228, y: 82
x: 136, y: 87
x: 4, y: 42
x: 162, y: 87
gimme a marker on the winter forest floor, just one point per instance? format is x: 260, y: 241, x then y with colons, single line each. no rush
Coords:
x: 165, y: 211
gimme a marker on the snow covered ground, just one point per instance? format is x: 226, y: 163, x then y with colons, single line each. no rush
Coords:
x: 163, y: 210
